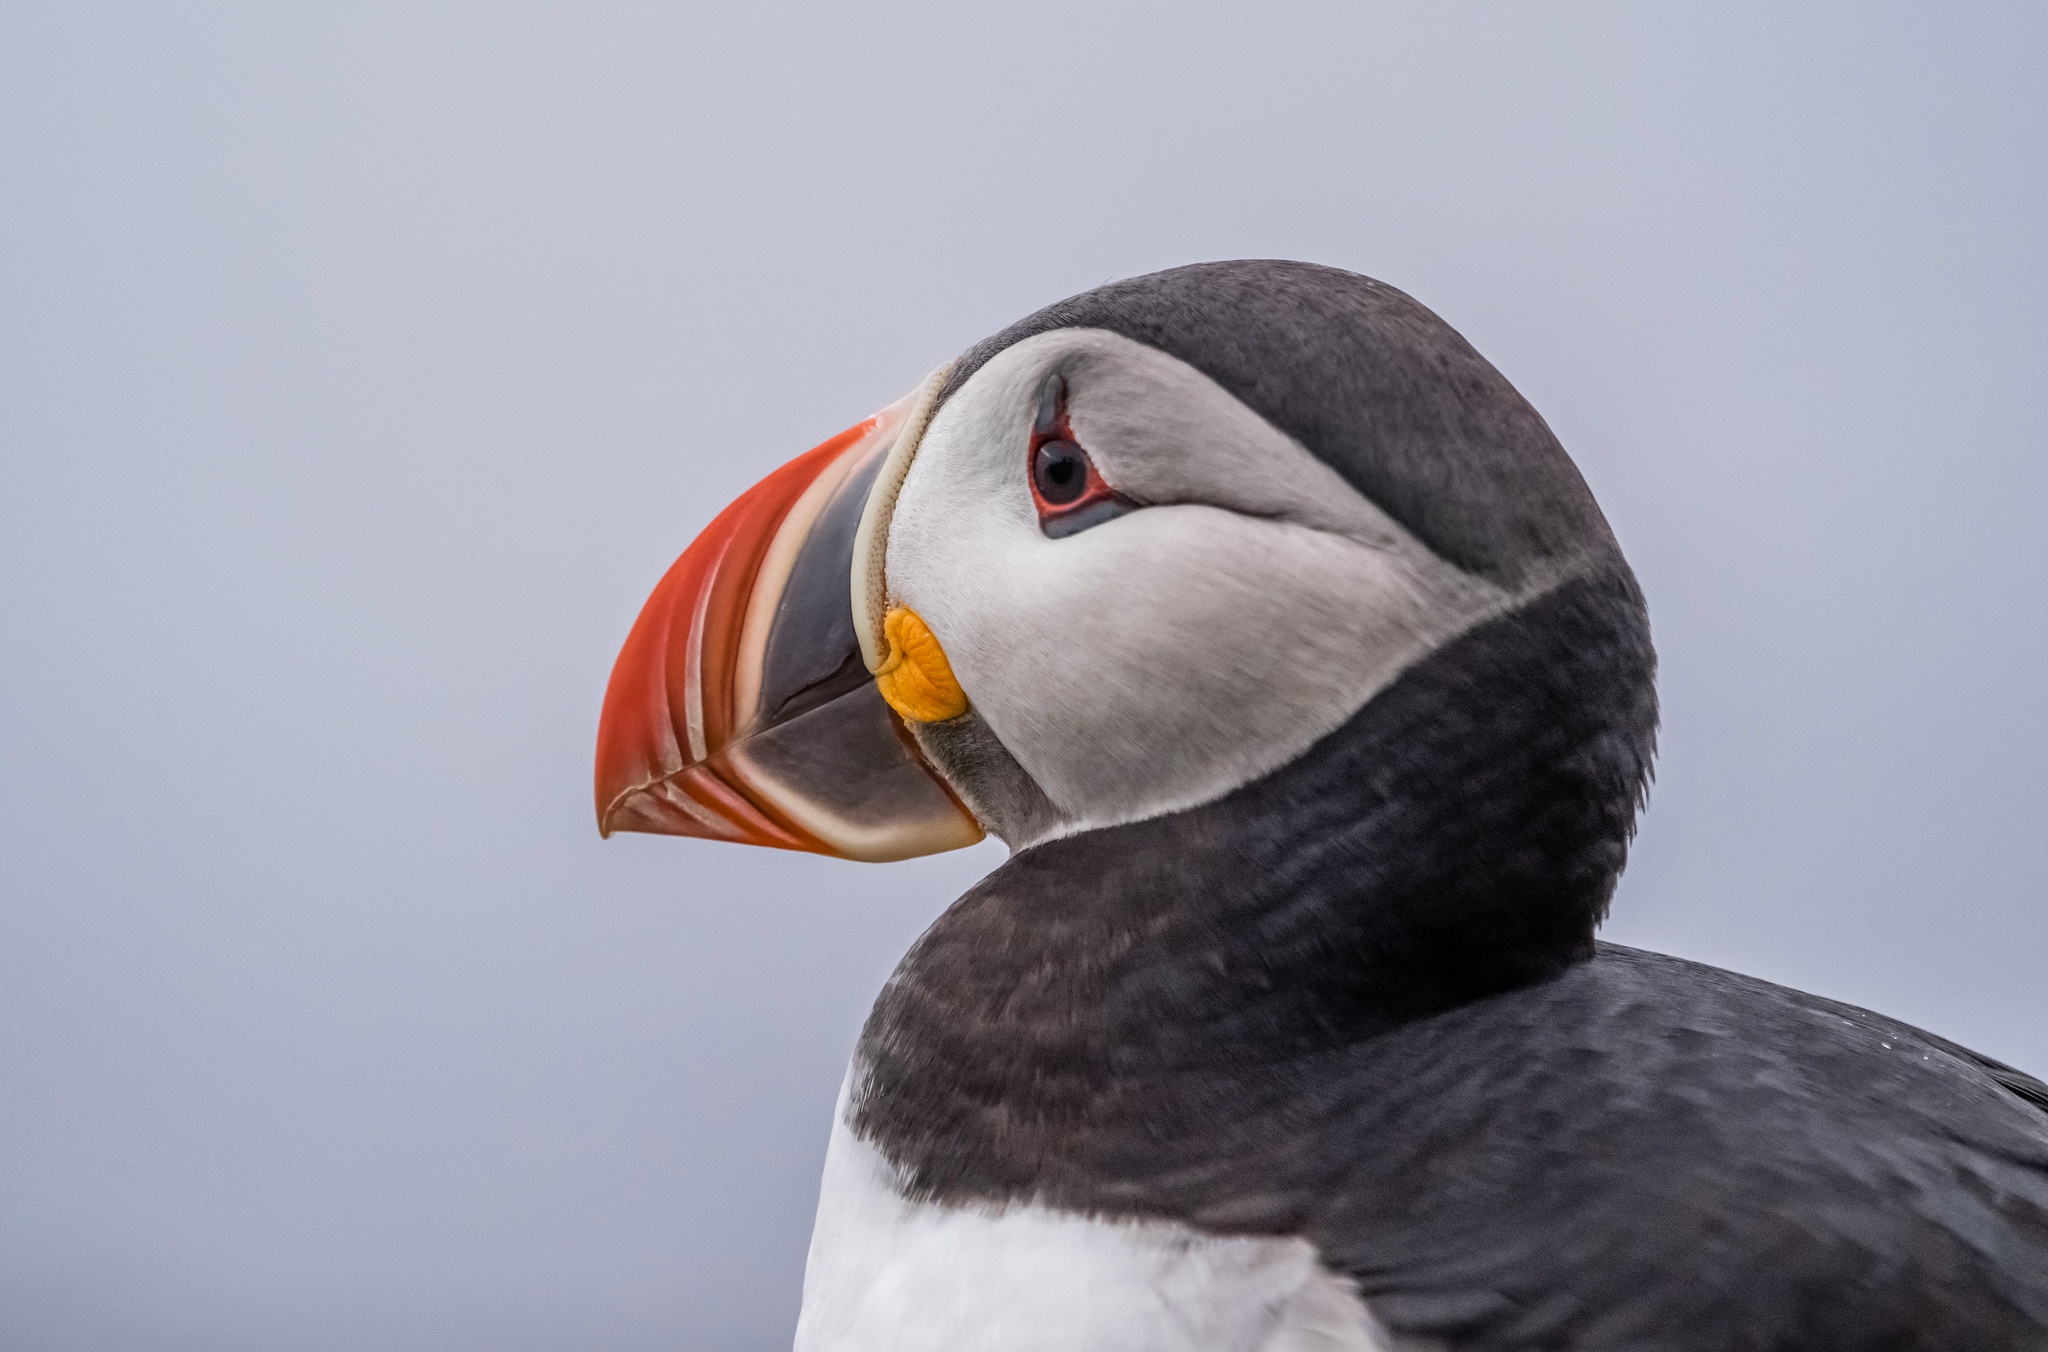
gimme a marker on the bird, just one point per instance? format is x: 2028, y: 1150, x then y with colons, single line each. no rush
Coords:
x: 1287, y: 650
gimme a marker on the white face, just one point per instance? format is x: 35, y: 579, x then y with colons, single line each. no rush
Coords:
x: 1160, y: 659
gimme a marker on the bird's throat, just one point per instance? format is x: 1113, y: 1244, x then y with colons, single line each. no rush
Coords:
x: 1460, y: 835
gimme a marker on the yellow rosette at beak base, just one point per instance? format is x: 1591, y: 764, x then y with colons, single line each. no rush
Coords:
x: 915, y: 678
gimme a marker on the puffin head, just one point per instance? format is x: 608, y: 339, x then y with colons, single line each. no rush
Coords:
x: 1135, y: 556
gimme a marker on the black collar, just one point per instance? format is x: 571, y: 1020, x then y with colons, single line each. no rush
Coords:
x: 1106, y: 993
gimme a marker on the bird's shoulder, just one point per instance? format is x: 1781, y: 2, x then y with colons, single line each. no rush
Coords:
x: 1648, y: 1152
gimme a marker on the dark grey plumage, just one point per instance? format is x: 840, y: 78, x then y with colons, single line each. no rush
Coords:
x: 1359, y: 999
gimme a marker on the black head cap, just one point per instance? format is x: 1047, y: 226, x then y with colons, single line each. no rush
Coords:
x: 1375, y: 385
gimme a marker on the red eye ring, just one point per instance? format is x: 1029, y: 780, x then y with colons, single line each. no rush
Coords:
x: 1070, y: 493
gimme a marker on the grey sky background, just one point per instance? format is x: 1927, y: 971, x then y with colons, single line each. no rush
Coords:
x: 362, y: 367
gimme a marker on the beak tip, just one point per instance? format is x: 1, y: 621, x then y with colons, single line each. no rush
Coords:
x: 612, y: 791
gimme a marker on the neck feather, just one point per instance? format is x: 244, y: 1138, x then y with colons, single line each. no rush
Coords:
x: 1461, y: 835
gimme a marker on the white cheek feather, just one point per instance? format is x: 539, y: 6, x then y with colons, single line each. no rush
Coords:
x: 1164, y: 658
x: 890, y: 1275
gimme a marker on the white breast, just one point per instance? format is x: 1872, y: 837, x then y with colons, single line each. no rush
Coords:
x: 891, y: 1275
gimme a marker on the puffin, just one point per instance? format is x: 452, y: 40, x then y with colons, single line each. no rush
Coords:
x: 1285, y: 647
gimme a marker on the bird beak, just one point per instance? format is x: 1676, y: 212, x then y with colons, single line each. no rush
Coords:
x: 743, y: 706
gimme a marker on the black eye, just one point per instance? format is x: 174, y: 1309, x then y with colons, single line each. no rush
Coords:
x: 1059, y: 470
x: 1070, y: 494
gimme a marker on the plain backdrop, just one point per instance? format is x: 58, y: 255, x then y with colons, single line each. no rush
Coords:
x: 362, y: 366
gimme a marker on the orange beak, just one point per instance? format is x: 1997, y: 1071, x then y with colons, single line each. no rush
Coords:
x: 741, y: 707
